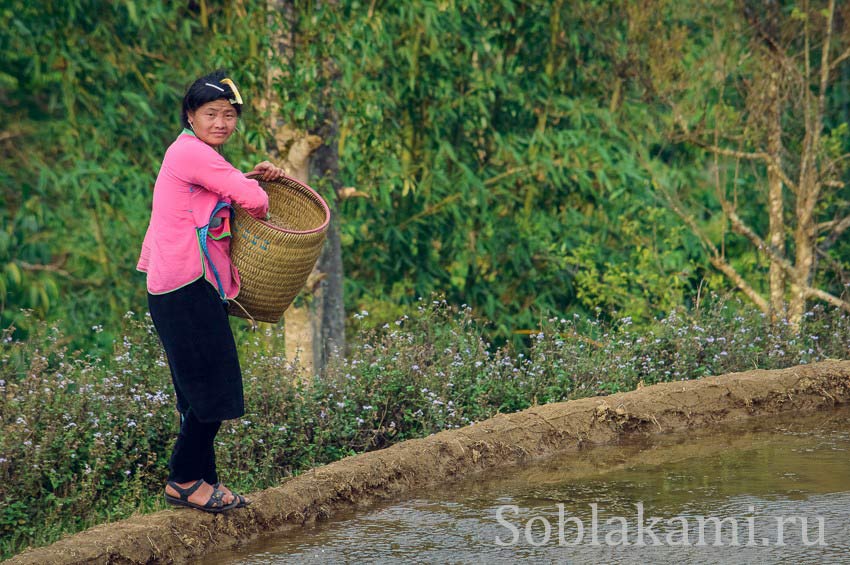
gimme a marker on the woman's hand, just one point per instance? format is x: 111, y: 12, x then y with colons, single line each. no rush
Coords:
x: 266, y: 171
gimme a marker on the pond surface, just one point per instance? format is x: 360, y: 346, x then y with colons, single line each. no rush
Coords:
x: 762, y: 491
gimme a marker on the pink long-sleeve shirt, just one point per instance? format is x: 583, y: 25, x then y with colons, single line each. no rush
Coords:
x: 193, y: 178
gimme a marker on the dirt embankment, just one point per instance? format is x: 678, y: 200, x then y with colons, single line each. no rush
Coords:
x: 177, y: 535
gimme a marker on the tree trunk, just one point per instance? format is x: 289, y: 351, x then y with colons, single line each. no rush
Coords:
x: 303, y: 324
x: 804, y: 243
x: 291, y: 150
x: 315, y: 331
x: 786, y: 94
x: 776, y: 234
x: 809, y: 191
x: 326, y: 164
x: 299, y: 337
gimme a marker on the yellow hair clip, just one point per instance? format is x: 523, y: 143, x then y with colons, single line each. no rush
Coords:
x: 237, y: 99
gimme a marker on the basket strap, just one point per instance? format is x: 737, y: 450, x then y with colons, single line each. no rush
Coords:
x: 202, y: 237
x: 248, y: 314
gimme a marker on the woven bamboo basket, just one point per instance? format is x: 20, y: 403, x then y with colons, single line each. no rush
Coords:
x: 274, y: 257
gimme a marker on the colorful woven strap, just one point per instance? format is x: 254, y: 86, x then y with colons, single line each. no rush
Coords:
x: 202, y: 237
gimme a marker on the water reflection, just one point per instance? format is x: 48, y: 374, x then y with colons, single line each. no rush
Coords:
x: 730, y: 484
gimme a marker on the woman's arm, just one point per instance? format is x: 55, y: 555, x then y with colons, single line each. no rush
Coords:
x: 206, y: 168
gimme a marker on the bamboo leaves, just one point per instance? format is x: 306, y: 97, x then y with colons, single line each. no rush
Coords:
x: 517, y: 156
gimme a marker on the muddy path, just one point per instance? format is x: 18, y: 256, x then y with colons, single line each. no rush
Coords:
x: 178, y: 535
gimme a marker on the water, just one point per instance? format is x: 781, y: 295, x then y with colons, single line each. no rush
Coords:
x: 597, y: 505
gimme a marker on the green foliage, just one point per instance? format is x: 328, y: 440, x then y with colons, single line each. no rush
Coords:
x: 85, y: 440
x: 91, y: 98
x: 749, y: 78
x: 513, y: 153
x: 495, y: 165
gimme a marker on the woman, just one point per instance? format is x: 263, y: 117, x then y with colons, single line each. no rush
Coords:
x: 186, y: 255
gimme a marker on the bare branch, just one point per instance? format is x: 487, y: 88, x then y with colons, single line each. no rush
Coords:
x: 10, y: 133
x: 742, y: 228
x: 39, y: 267
x: 821, y: 103
x: 833, y: 165
x: 838, y: 227
x: 841, y: 225
x: 346, y: 192
x: 824, y: 64
x: 751, y: 156
x: 718, y: 261
x: 724, y: 267
x: 826, y: 297
x: 838, y: 60
x: 834, y: 265
x: 807, y: 53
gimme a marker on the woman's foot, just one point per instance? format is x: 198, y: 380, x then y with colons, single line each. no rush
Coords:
x: 199, y: 494
x: 242, y: 500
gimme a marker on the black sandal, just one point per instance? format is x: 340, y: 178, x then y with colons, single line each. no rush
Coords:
x: 215, y: 504
x: 242, y: 502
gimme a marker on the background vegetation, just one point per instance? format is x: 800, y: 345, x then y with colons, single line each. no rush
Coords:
x: 578, y: 175
x: 519, y: 157
x: 85, y: 439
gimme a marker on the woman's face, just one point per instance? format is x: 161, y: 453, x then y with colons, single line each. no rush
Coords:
x: 214, y: 122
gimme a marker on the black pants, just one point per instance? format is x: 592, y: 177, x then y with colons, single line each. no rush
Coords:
x: 193, y: 326
x: 193, y: 457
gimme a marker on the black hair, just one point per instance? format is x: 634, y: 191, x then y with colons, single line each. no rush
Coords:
x: 201, y: 92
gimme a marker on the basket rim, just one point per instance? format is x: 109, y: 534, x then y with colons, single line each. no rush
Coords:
x: 319, y: 198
